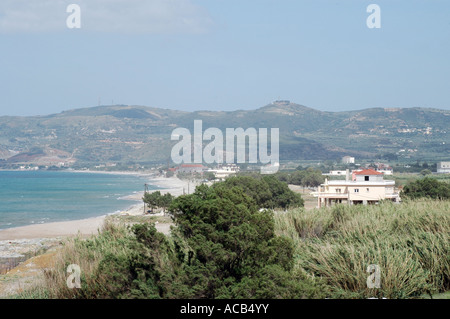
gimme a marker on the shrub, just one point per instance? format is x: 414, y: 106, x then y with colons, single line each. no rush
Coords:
x: 266, y: 191
x: 232, y: 246
x: 427, y: 187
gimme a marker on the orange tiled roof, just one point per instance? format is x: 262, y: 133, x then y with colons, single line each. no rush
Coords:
x: 368, y: 172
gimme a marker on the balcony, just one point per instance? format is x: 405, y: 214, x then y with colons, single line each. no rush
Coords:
x: 330, y: 195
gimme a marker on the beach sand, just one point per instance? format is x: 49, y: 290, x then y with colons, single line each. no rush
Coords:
x: 172, y: 185
x: 91, y: 226
x: 56, y: 229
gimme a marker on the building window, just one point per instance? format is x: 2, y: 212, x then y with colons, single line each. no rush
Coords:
x: 366, y: 178
x: 367, y: 189
x: 356, y: 190
x: 338, y: 190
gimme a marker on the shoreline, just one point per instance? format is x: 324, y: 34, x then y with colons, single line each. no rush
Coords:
x: 91, y: 226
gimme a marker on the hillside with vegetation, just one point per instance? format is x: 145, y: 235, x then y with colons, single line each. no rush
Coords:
x: 138, y: 134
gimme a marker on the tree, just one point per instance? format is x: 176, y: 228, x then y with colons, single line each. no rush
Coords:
x: 253, y: 187
x: 425, y: 172
x: 210, y: 176
x: 427, y: 187
x: 281, y: 195
x: 296, y: 178
x: 283, y: 177
x: 166, y: 200
x: 223, y: 247
x: 229, y: 247
x: 155, y: 199
x: 136, y: 269
x: 312, y: 178
x: 152, y: 199
x: 267, y: 191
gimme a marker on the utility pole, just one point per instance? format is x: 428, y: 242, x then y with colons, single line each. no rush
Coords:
x: 145, y: 192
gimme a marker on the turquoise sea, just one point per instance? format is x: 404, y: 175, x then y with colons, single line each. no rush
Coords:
x: 32, y: 197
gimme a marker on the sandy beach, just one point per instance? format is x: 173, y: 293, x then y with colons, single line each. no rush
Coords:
x: 55, y: 229
x: 91, y: 226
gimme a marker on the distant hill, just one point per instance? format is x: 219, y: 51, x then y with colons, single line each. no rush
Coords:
x: 121, y: 133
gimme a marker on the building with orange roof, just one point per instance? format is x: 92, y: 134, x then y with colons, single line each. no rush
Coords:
x: 366, y: 187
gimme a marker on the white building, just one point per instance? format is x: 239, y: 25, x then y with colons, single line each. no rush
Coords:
x: 223, y: 171
x: 348, y: 160
x: 335, y: 173
x: 365, y: 187
x: 443, y: 167
x: 385, y: 171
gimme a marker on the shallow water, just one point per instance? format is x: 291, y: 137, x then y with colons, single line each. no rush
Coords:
x: 36, y: 197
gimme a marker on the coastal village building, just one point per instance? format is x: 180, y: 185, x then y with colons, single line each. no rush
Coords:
x: 223, y: 171
x: 348, y: 160
x: 383, y: 168
x: 443, y: 167
x: 365, y: 187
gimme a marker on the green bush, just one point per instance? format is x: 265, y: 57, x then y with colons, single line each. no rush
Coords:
x: 427, y: 187
x: 232, y: 246
x: 267, y: 191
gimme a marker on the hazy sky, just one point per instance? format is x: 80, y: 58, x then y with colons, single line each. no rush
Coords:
x: 223, y: 54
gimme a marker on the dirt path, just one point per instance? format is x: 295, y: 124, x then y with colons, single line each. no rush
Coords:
x: 27, y: 274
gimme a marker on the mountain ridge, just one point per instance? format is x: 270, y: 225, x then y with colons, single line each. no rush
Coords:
x: 134, y: 133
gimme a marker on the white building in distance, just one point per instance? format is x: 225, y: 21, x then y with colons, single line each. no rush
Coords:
x: 443, y: 167
x: 348, y: 160
x: 223, y: 171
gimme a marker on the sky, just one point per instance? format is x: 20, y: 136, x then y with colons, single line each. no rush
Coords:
x: 223, y: 54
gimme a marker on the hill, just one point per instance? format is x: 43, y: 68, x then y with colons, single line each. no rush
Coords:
x: 121, y: 133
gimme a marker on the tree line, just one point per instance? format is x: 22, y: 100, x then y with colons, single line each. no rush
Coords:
x: 155, y: 199
x: 427, y: 187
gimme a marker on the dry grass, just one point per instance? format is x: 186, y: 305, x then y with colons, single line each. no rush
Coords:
x: 86, y: 253
x: 409, y: 242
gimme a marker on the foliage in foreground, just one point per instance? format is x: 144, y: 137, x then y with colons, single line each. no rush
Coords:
x: 266, y: 191
x: 409, y: 242
x: 223, y: 247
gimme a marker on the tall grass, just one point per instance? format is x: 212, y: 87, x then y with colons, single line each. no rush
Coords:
x: 112, y: 263
x: 409, y: 242
x: 88, y: 254
x: 333, y: 247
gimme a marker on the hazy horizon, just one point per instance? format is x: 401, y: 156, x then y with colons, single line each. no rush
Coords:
x: 214, y: 110
x: 193, y: 55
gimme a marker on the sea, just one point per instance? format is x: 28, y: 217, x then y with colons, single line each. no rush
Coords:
x: 37, y: 197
